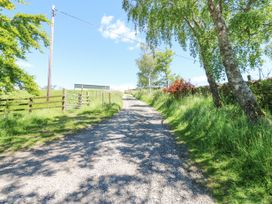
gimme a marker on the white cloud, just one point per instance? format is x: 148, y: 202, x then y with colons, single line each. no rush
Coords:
x: 24, y: 64
x: 106, y: 20
x: 118, y: 31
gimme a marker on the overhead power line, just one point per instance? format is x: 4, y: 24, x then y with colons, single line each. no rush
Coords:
x: 76, y: 18
x: 117, y: 34
x: 96, y: 25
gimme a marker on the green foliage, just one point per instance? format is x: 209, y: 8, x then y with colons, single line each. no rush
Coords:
x: 154, y: 68
x: 261, y: 89
x: 11, y: 76
x: 147, y: 74
x: 187, y: 22
x: 268, y: 50
x: 194, y: 24
x: 250, y: 25
x: 6, y: 4
x: 19, y: 34
x: 163, y: 61
x: 234, y: 154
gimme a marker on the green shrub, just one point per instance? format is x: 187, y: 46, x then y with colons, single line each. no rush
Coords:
x: 262, y: 90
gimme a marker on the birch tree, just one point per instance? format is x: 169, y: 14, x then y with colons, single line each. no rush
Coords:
x: 227, y: 37
x: 244, y: 95
x: 183, y: 21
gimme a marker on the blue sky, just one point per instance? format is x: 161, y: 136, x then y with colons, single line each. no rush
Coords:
x: 95, y: 54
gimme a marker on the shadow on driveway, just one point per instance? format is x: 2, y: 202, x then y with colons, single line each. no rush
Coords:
x: 130, y: 158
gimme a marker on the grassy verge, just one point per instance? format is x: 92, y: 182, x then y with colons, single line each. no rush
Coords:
x: 24, y: 130
x: 235, y: 156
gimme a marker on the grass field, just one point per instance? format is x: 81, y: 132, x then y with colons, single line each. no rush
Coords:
x: 23, y: 130
x: 236, y: 156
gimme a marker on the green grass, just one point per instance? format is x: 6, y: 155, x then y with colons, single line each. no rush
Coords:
x: 24, y: 130
x: 235, y: 156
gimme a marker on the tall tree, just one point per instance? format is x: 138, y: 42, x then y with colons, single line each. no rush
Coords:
x: 199, y: 23
x: 163, y: 61
x: 18, y: 35
x: 162, y: 20
x: 206, y: 46
x: 245, y: 97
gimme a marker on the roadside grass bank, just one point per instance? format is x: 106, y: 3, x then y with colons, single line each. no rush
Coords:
x: 25, y: 130
x: 235, y: 156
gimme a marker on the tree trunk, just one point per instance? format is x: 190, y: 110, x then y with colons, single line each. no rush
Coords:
x: 214, y: 89
x: 211, y: 80
x: 243, y: 93
x: 212, y: 83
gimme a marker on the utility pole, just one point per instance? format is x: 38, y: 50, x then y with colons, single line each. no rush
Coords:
x: 51, y: 52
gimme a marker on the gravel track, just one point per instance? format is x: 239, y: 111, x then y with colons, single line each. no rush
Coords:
x: 130, y: 158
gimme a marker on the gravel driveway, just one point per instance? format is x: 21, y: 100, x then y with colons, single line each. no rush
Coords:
x: 130, y: 158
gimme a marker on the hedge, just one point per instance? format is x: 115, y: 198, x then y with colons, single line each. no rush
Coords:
x: 261, y: 88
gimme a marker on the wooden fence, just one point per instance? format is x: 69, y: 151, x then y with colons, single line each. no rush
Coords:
x: 63, y: 102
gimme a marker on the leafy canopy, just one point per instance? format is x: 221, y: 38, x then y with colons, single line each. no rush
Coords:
x: 154, y: 67
x: 189, y: 22
x: 250, y: 26
x: 185, y: 21
x: 163, y: 61
x: 147, y: 74
x: 19, y: 34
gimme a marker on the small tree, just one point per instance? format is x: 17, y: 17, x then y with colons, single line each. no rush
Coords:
x: 147, y: 75
x: 163, y: 61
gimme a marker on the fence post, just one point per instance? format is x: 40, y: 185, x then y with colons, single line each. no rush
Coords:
x: 79, y: 100
x: 88, y: 99
x: 81, y: 89
x: 63, y: 103
x: 109, y: 97
x: 30, y: 104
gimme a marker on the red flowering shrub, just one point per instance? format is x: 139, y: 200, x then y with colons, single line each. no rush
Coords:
x: 180, y: 88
